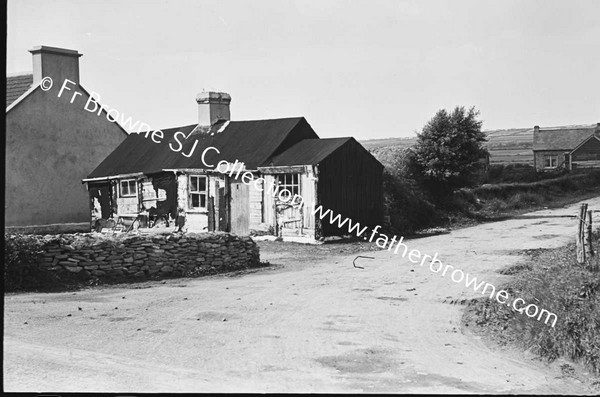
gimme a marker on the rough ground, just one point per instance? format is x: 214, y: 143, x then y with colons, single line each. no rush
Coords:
x: 310, y: 324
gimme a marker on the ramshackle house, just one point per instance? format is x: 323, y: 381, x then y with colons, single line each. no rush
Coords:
x: 229, y: 176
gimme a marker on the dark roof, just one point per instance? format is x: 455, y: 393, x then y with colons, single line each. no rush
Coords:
x: 562, y: 138
x: 17, y: 86
x: 252, y: 142
x: 308, y: 152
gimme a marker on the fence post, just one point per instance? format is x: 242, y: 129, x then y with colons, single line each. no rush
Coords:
x: 580, y: 234
x: 592, y: 264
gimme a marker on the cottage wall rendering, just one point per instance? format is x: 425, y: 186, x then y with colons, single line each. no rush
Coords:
x: 50, y: 146
x: 149, y: 182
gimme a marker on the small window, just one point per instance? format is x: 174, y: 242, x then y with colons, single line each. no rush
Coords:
x: 198, y: 191
x: 550, y: 161
x: 128, y: 188
x: 289, y: 182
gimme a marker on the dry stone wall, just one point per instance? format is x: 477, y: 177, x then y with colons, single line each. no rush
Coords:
x: 91, y: 255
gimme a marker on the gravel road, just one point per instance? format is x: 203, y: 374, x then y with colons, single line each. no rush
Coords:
x: 324, y: 326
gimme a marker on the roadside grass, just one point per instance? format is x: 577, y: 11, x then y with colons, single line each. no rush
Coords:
x: 552, y: 280
x: 510, y: 173
x: 494, y: 202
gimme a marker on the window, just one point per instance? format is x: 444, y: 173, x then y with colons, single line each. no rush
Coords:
x: 198, y: 191
x: 128, y: 188
x: 290, y: 182
x: 550, y: 161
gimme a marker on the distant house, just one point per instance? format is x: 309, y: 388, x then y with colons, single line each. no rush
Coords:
x: 51, y: 144
x: 571, y: 148
x: 142, y: 176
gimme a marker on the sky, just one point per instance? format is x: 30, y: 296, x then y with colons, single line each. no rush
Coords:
x: 367, y: 69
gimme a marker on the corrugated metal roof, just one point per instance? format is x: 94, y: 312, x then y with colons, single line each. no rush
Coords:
x: 562, y: 138
x: 17, y: 86
x: 252, y: 142
x: 307, y: 152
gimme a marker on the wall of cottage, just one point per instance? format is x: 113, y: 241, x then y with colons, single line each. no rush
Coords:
x: 539, y: 156
x: 51, y: 145
x: 89, y: 255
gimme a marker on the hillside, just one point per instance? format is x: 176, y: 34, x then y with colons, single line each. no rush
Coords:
x: 510, y: 146
x: 505, y: 146
x: 388, y: 142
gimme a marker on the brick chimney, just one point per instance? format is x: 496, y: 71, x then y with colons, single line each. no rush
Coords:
x: 212, y: 107
x: 57, y: 63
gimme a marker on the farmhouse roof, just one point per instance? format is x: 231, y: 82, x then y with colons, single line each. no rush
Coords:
x: 308, y: 152
x: 16, y: 86
x: 562, y: 138
x: 251, y: 142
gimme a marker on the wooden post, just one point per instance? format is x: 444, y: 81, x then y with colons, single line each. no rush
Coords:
x: 589, y: 252
x: 211, y: 214
x: 580, y: 234
x: 588, y: 236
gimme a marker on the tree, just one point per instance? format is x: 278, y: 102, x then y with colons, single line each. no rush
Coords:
x: 449, y: 150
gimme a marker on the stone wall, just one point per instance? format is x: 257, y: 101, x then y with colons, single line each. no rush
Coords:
x: 93, y: 255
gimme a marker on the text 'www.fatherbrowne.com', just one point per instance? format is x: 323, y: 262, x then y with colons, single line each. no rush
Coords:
x: 435, y: 265
x: 93, y: 105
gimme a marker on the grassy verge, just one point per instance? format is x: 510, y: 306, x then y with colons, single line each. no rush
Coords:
x: 499, y: 201
x: 552, y: 280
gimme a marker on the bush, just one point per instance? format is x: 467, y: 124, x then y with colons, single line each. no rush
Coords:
x: 523, y: 200
x: 521, y: 173
x: 406, y: 207
x: 450, y: 152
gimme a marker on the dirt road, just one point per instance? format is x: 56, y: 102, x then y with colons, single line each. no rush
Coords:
x: 325, y: 327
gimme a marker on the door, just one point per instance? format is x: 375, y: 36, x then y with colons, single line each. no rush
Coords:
x: 100, y: 200
x: 289, y: 217
x: 221, y: 205
x: 240, y: 208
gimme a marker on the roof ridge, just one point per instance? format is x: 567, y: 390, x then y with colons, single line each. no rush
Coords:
x: 273, y: 119
x: 19, y: 74
x: 572, y: 127
x: 232, y: 121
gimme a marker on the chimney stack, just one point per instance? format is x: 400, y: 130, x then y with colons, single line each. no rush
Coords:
x: 57, y: 63
x: 212, y: 107
x: 536, y: 129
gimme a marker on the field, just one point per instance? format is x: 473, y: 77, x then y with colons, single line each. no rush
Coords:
x: 509, y: 146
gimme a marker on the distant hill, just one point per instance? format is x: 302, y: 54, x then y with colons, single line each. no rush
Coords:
x: 388, y: 142
x: 505, y: 146
x: 510, y: 146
